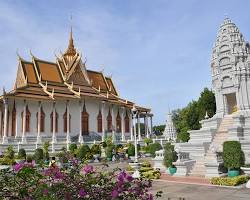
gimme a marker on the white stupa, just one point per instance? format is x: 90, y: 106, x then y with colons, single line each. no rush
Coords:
x: 170, y: 131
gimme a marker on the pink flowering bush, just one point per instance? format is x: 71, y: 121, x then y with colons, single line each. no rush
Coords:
x: 79, y: 182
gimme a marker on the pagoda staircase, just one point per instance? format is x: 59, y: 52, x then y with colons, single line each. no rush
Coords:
x: 216, y: 145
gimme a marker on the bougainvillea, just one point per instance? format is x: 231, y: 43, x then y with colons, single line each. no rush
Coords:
x: 25, y: 181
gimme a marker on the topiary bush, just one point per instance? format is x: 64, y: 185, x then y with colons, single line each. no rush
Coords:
x: 170, y: 155
x: 46, y: 150
x: 10, y: 153
x: 82, y: 151
x: 152, y: 148
x: 232, y: 155
x: 21, y: 154
x: 38, y: 155
x: 72, y: 148
x: 109, y: 150
x: 131, y: 150
x: 96, y: 149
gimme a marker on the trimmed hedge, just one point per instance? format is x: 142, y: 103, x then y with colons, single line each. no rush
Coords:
x: 152, y: 148
x: 72, y: 148
x: 230, y: 181
x: 232, y: 155
x: 170, y: 155
x: 38, y: 155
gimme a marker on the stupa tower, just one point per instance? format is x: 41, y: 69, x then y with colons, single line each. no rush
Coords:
x: 230, y: 70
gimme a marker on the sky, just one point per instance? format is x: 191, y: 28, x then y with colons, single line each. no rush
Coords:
x: 157, y: 52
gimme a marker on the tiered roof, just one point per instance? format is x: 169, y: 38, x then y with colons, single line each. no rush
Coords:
x: 67, y: 78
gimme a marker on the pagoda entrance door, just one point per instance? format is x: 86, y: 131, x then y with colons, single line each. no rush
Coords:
x: 231, y: 103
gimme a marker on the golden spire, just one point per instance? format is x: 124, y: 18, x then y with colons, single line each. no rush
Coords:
x: 71, y: 51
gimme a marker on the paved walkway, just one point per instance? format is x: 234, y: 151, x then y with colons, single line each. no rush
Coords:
x: 175, y: 190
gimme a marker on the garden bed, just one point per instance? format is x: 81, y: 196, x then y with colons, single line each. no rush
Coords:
x: 230, y: 181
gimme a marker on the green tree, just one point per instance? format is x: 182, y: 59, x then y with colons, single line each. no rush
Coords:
x: 188, y: 118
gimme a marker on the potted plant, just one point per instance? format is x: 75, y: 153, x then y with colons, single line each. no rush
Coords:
x: 131, y: 151
x: 82, y: 151
x: 246, y: 169
x: 232, y: 157
x: 170, y: 156
x: 72, y: 148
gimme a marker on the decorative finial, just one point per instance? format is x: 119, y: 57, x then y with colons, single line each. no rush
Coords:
x: 71, y: 51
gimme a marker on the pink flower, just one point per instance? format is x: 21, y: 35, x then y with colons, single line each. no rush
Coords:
x: 18, y: 167
x: 45, y: 192
x: 114, y: 194
x: 129, y: 178
x: 88, y: 169
x: 82, y: 193
x: 150, y: 197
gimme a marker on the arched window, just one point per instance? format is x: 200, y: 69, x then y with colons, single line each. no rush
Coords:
x: 85, y: 121
x: 65, y: 115
x: 52, y: 122
x: 42, y: 120
x: 109, y: 121
x: 13, y: 127
x: 99, y: 122
x: 27, y: 123
x: 118, y: 122
x: 126, y: 123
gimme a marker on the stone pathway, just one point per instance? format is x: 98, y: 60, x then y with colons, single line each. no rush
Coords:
x: 174, y: 191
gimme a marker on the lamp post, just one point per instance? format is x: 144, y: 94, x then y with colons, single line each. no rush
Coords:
x: 136, y: 165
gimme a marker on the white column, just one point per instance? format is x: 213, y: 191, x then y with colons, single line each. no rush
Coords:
x: 103, y: 121
x: 24, y: 124
x: 5, y: 128
x: 113, y: 124
x: 135, y: 137
x: 139, y: 127
x: 1, y: 122
x: 131, y: 127
x: 146, y: 125
x: 54, y: 123
x: 38, y: 139
x: 80, y: 140
x: 151, y: 124
x: 68, y: 131
x: 122, y: 124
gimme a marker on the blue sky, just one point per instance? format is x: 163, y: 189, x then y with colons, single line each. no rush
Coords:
x: 158, y: 52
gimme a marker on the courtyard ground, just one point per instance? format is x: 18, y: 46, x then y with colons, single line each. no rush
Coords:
x: 174, y: 191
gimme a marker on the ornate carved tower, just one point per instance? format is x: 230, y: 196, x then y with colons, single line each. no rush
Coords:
x: 230, y: 66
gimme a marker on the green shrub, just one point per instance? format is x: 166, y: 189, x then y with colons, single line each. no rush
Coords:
x: 109, y: 151
x: 10, y: 153
x: 131, y: 150
x: 29, y: 158
x: 146, y: 164
x: 148, y: 141
x: 95, y: 149
x: 145, y: 169
x: 152, y: 174
x: 230, y: 181
x: 63, y: 156
x: 89, y: 156
x: 82, y: 151
x: 6, y: 161
x: 38, y: 155
x: 21, y: 154
x: 170, y: 155
x: 153, y: 148
x: 232, y: 155
x: 72, y: 148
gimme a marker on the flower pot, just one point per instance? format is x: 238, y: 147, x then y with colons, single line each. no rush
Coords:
x: 172, y: 170
x: 246, y: 170
x: 233, y: 173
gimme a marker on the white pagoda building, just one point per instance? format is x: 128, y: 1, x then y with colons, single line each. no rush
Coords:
x: 62, y: 101
x: 230, y: 70
x: 170, y: 131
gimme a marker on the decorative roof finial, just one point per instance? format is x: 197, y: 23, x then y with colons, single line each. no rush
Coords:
x: 71, y: 51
